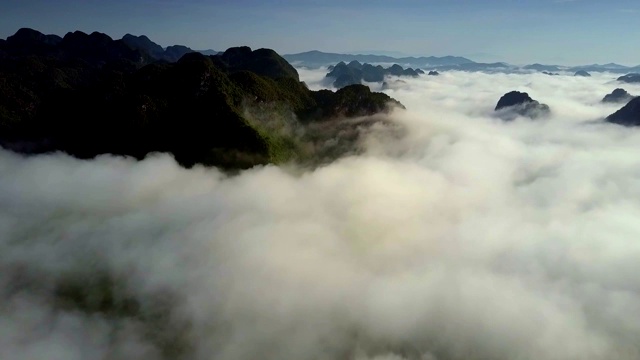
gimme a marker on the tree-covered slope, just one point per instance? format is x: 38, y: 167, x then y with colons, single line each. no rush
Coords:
x: 89, y: 95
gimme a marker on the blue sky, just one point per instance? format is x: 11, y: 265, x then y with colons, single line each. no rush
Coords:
x: 516, y: 31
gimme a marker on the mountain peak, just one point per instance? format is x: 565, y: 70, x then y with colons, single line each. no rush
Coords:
x: 629, y: 115
x: 30, y: 37
x: 520, y: 103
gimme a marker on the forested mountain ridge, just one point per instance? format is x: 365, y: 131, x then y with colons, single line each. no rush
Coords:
x: 88, y: 94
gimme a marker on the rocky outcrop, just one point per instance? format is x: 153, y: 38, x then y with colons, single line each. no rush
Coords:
x: 629, y: 115
x: 630, y: 78
x: 618, y: 96
x: 516, y: 103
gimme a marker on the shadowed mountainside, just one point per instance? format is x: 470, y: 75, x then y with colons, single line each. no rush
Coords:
x: 618, y: 96
x: 630, y: 78
x: 629, y: 115
x: 170, y: 54
x: 520, y: 103
x: 87, y: 94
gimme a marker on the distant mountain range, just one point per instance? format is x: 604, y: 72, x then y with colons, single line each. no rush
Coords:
x: 316, y: 59
x: 611, y: 67
x: 355, y: 73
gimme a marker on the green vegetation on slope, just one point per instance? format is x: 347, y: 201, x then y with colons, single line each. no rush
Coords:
x: 89, y: 95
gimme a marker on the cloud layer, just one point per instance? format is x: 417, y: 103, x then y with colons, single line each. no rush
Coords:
x: 469, y: 238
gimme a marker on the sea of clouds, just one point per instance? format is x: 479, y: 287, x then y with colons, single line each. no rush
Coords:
x: 468, y: 238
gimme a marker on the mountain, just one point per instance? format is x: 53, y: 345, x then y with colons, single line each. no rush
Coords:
x: 630, y: 78
x: 143, y: 43
x: 175, y: 52
x: 89, y: 94
x: 208, y: 52
x: 618, y: 96
x: 316, y: 59
x: 610, y: 67
x: 490, y: 67
x: 629, y: 115
x: 540, y: 67
x: 97, y: 48
x: 170, y: 54
x: 31, y: 41
x: 582, y: 73
x: 265, y: 62
x: 520, y: 103
x: 355, y: 73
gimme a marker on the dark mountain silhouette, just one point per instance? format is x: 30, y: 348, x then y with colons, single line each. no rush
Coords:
x: 98, y: 48
x: 173, y: 53
x: 355, y: 73
x: 94, y: 49
x: 618, y: 96
x: 170, y: 54
x: 89, y: 94
x: 630, y: 78
x: 520, y: 103
x: 629, y: 115
x: 433, y: 73
x: 318, y: 58
x: 582, y: 73
x: 265, y: 62
x: 143, y: 43
x: 29, y: 41
x: 541, y: 68
x: 550, y: 73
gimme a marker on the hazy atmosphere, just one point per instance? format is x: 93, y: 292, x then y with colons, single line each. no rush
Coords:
x: 441, y: 180
x: 469, y: 238
x: 566, y: 32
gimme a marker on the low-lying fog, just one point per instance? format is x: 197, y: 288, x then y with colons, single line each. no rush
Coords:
x: 470, y: 238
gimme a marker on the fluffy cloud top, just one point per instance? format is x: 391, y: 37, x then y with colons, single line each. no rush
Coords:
x: 468, y: 238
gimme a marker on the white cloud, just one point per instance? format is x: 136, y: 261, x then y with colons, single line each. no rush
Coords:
x: 469, y: 238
